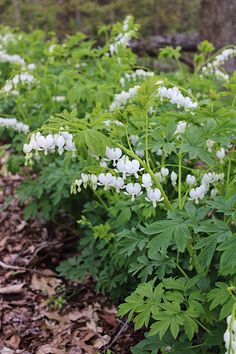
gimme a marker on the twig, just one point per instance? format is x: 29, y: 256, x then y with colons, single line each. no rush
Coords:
x: 8, y: 266
x: 121, y: 330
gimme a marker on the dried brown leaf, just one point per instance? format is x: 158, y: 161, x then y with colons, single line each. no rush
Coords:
x: 12, y: 289
x: 45, y: 284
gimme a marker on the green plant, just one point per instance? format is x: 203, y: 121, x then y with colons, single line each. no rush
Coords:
x: 157, y: 158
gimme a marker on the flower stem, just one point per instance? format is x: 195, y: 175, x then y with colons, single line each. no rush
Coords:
x: 146, y: 140
x: 180, y: 182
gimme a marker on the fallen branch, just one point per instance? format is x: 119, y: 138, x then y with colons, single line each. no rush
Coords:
x: 150, y: 45
x: 121, y: 330
x: 8, y: 266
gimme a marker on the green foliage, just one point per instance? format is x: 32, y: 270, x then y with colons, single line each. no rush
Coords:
x: 171, y: 257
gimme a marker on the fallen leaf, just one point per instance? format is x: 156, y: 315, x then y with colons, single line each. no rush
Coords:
x: 110, y: 318
x: 12, y: 289
x: 48, y: 349
x: 45, y: 284
x: 6, y: 350
x: 101, y: 341
x: 21, y: 226
x: 14, y: 341
x: 3, y: 242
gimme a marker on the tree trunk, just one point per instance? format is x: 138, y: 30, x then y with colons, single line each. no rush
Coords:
x: 17, y: 11
x: 218, y: 22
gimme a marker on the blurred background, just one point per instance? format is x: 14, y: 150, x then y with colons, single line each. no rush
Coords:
x: 163, y: 22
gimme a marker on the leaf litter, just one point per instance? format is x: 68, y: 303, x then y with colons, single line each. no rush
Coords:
x: 41, y: 312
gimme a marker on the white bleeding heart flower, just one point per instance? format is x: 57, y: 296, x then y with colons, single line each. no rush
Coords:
x: 173, y: 177
x: 133, y: 189
x: 154, y: 196
x: 146, y: 181
x: 190, y: 179
x: 113, y: 154
x: 164, y: 171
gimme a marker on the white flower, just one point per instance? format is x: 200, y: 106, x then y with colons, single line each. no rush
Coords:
x: 176, y: 97
x: 31, y: 66
x: 214, y: 192
x: 209, y: 144
x: 154, y: 196
x: 11, y: 85
x: 11, y: 58
x: 118, y: 184
x: 173, y: 178
x: 180, y: 128
x: 159, y: 176
x: 134, y: 139
x: 220, y: 154
x: 106, y: 180
x: 13, y: 123
x: 49, y: 143
x: 197, y: 193
x: 213, y: 67
x: 78, y: 183
x: 93, y: 180
x: 190, y: 179
x: 159, y: 152
x: 122, y: 39
x: 58, y: 98
x: 113, y: 154
x: 230, y: 335
x: 138, y: 74
x: 85, y: 179
x: 127, y: 167
x: 164, y: 171
x: 146, y: 181
x: 121, y: 99
x: 133, y: 189
x: 103, y: 163
x: 139, y: 152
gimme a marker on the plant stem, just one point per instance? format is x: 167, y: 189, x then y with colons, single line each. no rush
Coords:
x: 228, y: 173
x: 146, y: 140
x: 180, y: 181
x: 196, y: 262
x: 204, y: 327
x: 181, y: 270
x: 127, y: 138
x: 100, y: 200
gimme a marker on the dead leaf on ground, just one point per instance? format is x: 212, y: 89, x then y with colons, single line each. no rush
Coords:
x: 45, y: 284
x: 6, y: 350
x: 49, y: 349
x: 14, y: 341
x: 12, y: 289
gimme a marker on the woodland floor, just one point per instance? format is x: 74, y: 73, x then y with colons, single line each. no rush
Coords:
x: 30, y: 322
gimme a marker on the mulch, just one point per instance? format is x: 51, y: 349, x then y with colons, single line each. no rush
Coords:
x: 41, y: 312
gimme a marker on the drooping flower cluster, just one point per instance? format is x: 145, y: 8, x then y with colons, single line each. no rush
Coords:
x: 219, y: 60
x: 6, y: 38
x: 126, y: 176
x: 123, y: 38
x: 138, y: 74
x: 11, y: 58
x: 230, y: 336
x: 63, y: 141
x: 23, y: 79
x: 14, y: 124
x: 176, y: 97
x: 121, y: 99
x: 208, y: 179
